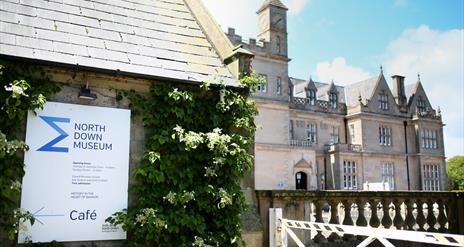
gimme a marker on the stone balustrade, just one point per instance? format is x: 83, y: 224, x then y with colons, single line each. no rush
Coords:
x: 302, y: 143
x: 319, y: 105
x: 342, y: 147
x: 413, y: 211
x: 427, y: 114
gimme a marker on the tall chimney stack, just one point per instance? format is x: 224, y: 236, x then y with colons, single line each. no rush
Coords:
x: 398, y: 90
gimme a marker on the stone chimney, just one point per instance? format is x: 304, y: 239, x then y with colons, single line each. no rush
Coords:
x: 398, y: 90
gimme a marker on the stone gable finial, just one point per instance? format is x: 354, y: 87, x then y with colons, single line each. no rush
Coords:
x: 381, y: 69
x: 418, y: 77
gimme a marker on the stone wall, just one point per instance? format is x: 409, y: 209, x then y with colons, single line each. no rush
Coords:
x: 70, y: 82
x: 393, y: 209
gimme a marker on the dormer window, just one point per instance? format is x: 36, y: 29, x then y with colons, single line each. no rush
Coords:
x: 421, y: 105
x: 311, y: 95
x: 333, y: 99
x: 383, y: 102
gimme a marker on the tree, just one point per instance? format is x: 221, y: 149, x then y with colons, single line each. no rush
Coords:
x: 455, y: 172
x: 187, y: 190
x: 23, y: 88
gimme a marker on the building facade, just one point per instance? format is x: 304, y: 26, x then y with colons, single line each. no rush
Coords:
x: 318, y: 135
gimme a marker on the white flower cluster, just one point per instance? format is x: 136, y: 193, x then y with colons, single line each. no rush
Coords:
x: 20, y: 217
x: 15, y: 185
x: 225, y: 198
x: 148, y: 216
x: 210, y: 172
x: 200, y: 242
x: 9, y: 147
x: 18, y: 88
x: 183, y: 198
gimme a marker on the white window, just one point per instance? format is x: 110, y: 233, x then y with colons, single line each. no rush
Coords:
x: 421, y: 105
x: 388, y: 174
x: 333, y: 99
x: 311, y: 130
x: 353, y: 140
x: 385, y: 136
x: 431, y: 177
x: 383, y: 101
x: 262, y: 86
x: 350, y: 180
x: 311, y: 95
x: 334, y: 136
x: 279, y: 86
x: 429, y: 139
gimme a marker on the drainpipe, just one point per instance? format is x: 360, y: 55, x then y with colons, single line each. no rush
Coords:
x: 407, y: 156
x: 346, y: 130
x: 325, y: 173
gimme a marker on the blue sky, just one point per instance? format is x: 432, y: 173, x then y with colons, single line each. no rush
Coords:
x: 359, y: 30
x: 347, y: 40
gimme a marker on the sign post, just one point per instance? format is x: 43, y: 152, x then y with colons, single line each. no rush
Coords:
x: 76, y: 172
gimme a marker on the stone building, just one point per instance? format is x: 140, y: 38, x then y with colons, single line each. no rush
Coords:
x: 89, y: 48
x: 318, y: 135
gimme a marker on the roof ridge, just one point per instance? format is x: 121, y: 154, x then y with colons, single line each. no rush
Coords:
x: 276, y: 3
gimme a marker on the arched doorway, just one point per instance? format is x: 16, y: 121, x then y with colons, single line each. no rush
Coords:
x: 301, y: 181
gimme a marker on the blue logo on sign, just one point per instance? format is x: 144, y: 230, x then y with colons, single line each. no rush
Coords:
x: 50, y: 147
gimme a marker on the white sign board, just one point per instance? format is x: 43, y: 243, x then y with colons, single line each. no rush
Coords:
x: 76, y: 172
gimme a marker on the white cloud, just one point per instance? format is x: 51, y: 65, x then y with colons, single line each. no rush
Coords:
x: 340, y: 72
x: 241, y: 14
x: 296, y: 6
x: 238, y: 14
x: 438, y: 57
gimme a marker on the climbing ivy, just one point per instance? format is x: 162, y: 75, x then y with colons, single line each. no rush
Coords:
x: 197, y: 150
x: 23, y: 87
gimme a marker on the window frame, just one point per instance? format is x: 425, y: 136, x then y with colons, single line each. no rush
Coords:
x: 431, y: 177
x: 335, y: 135
x: 429, y: 139
x: 421, y: 105
x: 387, y: 170
x: 311, y: 132
x: 262, y: 87
x: 350, y: 178
x: 385, y: 136
x: 333, y: 100
x: 311, y: 95
x: 383, y: 101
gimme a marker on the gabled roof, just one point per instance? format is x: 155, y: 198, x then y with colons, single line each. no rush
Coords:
x: 156, y: 38
x: 365, y: 89
x: 322, y: 89
x: 410, y: 90
x: 276, y: 3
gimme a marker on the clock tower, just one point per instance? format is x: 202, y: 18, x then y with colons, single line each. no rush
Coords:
x: 273, y: 26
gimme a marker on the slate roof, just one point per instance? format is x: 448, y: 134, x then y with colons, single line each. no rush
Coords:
x: 322, y: 89
x: 159, y: 38
x: 410, y: 89
x: 277, y: 3
x: 364, y: 88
